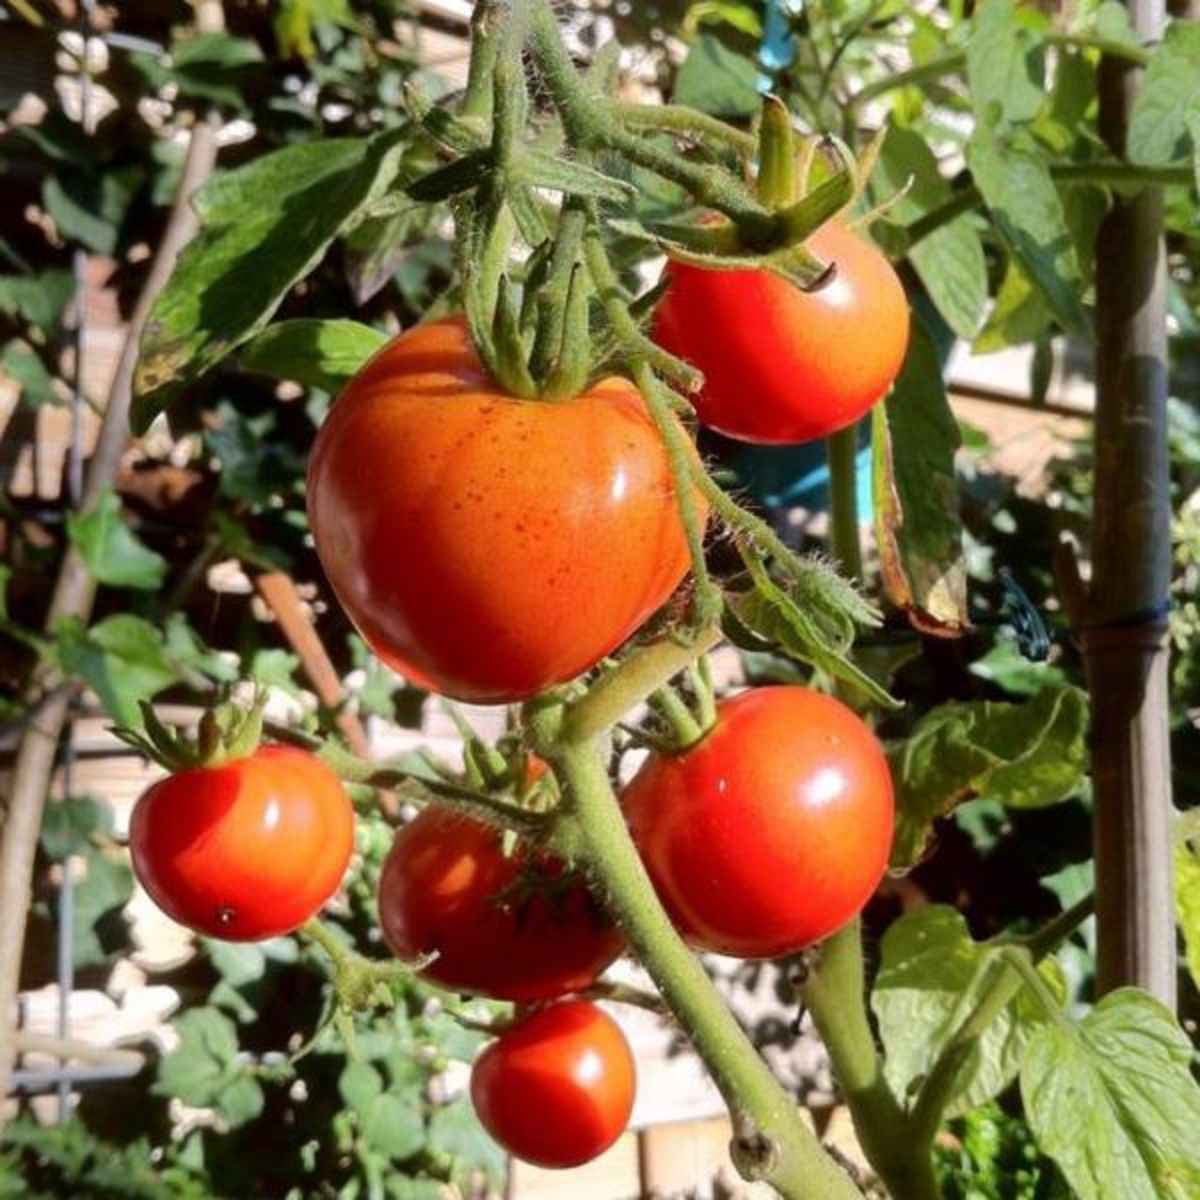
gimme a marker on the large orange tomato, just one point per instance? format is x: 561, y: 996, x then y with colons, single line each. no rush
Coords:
x: 488, y: 547
x: 782, y: 365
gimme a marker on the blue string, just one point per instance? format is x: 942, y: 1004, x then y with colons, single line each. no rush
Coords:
x: 777, y: 50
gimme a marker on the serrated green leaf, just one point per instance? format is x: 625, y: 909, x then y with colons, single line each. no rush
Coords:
x: 359, y: 1084
x: 1020, y: 314
x: 200, y: 1066
x: 113, y: 553
x: 716, y: 80
x: 1028, y: 214
x: 1006, y: 63
x: 240, y: 1100
x: 1187, y: 895
x: 98, y: 926
x: 394, y: 1124
x: 1113, y: 1101
x: 455, y: 1130
x: 315, y: 353
x: 931, y: 976
x: 1167, y: 107
x: 265, y: 226
x: 1026, y: 755
x: 68, y: 825
x: 949, y: 261
x: 914, y: 439
x: 39, y: 299
x: 24, y: 365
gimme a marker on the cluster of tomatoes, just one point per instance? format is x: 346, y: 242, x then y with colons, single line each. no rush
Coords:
x: 489, y: 548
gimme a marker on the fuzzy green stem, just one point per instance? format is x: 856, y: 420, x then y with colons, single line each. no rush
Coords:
x: 685, y: 122
x: 319, y: 934
x: 773, y: 1143
x: 842, y: 451
x: 1043, y: 942
x: 552, y: 295
x: 686, y: 729
x: 834, y: 992
x: 947, y: 64
x: 485, y: 21
x: 637, y: 677
x: 592, y: 126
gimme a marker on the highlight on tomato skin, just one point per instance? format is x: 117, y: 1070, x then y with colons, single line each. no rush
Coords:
x: 489, y: 547
x: 773, y: 831
x: 781, y: 365
x: 515, y: 928
x: 557, y: 1088
x: 247, y: 850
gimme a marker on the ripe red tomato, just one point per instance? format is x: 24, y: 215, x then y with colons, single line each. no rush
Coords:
x: 247, y: 850
x: 781, y: 365
x: 557, y: 1088
x: 773, y: 831
x: 511, y: 927
x: 489, y: 547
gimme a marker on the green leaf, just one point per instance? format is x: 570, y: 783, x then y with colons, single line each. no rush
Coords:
x: 1167, y: 107
x: 91, y: 208
x: 1006, y: 63
x: 455, y: 1130
x: 914, y: 440
x: 68, y: 825
x: 950, y: 260
x: 359, y: 1084
x: 112, y: 552
x: 716, y: 80
x: 315, y: 353
x: 121, y: 659
x: 1187, y: 894
x: 394, y: 1124
x: 931, y: 976
x: 240, y: 1100
x: 1025, y: 755
x: 781, y: 620
x: 1028, y: 214
x: 1019, y: 315
x: 208, y: 66
x: 265, y: 226
x: 38, y: 299
x: 199, y: 1067
x: 275, y: 668
x: 1113, y: 1101
x: 376, y: 247
x: 23, y: 364
x: 1005, y: 666
x: 98, y: 927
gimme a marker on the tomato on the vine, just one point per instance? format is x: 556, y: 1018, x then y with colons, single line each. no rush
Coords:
x: 782, y: 365
x: 488, y: 547
x: 771, y: 832
x: 516, y: 927
x: 557, y: 1088
x: 246, y: 850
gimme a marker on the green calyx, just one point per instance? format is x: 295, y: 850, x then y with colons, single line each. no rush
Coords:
x: 226, y: 733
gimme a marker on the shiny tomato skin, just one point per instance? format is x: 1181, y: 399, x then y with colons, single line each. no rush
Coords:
x: 500, y: 926
x: 773, y: 831
x: 557, y: 1088
x: 782, y: 365
x: 247, y: 850
x: 488, y: 547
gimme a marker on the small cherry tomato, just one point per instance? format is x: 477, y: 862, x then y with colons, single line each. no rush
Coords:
x: 782, y: 365
x: 557, y: 1088
x: 515, y: 927
x: 771, y: 832
x: 488, y: 547
x: 246, y: 850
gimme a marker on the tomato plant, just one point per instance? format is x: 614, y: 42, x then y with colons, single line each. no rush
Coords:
x: 514, y: 926
x: 780, y: 364
x: 557, y: 1088
x: 245, y: 850
x: 771, y: 832
x: 486, y: 546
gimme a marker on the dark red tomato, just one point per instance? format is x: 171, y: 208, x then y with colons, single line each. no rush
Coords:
x: 511, y: 927
x: 557, y: 1088
x: 781, y: 365
x: 773, y: 831
x: 247, y: 850
x: 488, y: 547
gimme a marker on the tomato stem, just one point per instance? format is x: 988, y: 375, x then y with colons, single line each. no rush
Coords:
x: 842, y: 451
x: 790, y: 1159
